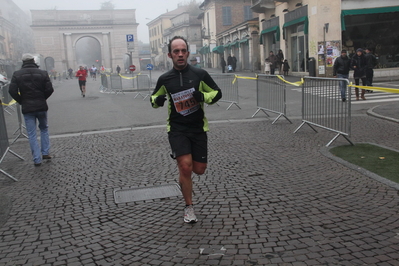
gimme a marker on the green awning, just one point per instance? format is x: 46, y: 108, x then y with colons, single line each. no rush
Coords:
x: 218, y: 49
x: 243, y: 41
x: 366, y: 11
x: 303, y: 19
x: 236, y: 43
x: 269, y: 30
x: 204, y: 50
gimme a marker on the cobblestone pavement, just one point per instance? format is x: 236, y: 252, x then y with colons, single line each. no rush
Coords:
x: 269, y: 197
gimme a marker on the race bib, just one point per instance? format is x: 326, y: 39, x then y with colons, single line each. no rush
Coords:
x: 184, y: 102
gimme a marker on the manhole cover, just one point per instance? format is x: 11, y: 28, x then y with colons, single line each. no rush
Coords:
x: 146, y: 193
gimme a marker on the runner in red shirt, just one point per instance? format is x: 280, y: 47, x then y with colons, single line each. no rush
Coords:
x: 82, y: 74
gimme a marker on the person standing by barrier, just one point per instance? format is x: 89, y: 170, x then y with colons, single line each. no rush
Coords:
x: 273, y: 62
x: 187, y: 88
x: 267, y: 66
x: 359, y: 65
x: 234, y: 63
x: 280, y: 61
x: 82, y: 74
x: 371, y: 63
x: 286, y: 67
x: 223, y: 64
x: 118, y: 69
x: 341, y: 69
x: 31, y: 87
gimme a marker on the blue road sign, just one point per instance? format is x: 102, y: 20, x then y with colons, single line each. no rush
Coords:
x: 150, y: 67
x: 129, y: 38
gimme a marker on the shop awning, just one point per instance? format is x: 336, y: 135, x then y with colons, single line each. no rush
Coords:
x: 303, y: 20
x: 204, y: 50
x: 269, y: 30
x: 218, y: 49
x: 243, y: 41
x: 366, y: 11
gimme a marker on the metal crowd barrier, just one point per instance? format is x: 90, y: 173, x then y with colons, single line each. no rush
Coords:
x: 104, y: 83
x: 8, y: 101
x: 323, y: 106
x: 228, y: 84
x: 21, y: 127
x: 4, y: 144
x: 271, y: 96
x: 143, y: 83
x: 116, y: 83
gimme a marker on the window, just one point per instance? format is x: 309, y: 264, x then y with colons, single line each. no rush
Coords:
x: 247, y: 13
x: 226, y: 15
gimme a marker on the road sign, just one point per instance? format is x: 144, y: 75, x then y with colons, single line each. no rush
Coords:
x: 150, y: 67
x: 129, y: 38
x: 132, y: 68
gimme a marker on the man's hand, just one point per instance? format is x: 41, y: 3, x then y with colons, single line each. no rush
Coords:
x: 160, y: 100
x: 198, y: 96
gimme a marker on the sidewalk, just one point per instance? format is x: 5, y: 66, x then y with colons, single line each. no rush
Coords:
x: 267, y: 198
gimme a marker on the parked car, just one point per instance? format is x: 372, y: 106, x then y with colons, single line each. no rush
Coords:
x: 3, y: 80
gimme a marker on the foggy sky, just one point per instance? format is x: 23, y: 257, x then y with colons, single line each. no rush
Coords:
x: 145, y: 10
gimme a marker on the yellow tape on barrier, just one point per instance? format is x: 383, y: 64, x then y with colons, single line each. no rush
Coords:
x: 241, y: 77
x: 10, y: 103
x: 124, y: 77
x: 390, y: 90
x: 298, y: 83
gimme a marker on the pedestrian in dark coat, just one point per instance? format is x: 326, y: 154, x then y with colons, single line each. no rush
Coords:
x: 273, y: 61
x: 359, y: 65
x: 223, y: 64
x: 31, y: 87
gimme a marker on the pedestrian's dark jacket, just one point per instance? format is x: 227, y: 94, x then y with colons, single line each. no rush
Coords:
x: 230, y: 60
x: 31, y: 87
x: 342, y: 65
x: 286, y: 66
x: 361, y: 65
x: 371, y: 60
x: 273, y: 60
x: 223, y: 63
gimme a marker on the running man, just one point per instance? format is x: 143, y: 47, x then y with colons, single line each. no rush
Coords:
x: 82, y: 74
x: 187, y: 89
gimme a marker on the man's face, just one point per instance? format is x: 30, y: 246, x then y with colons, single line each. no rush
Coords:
x: 359, y: 53
x: 343, y: 54
x: 179, y: 54
x: 81, y: 68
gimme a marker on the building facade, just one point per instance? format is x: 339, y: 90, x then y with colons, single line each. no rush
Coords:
x: 57, y: 34
x: 311, y: 33
x: 16, y: 37
x: 228, y: 28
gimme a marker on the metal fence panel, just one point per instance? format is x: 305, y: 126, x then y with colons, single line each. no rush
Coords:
x: 116, y: 83
x: 4, y: 143
x: 271, y: 96
x: 228, y: 84
x: 324, y: 107
x: 104, y: 83
x: 143, y: 84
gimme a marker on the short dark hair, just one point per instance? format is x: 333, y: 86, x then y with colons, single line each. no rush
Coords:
x: 175, y: 38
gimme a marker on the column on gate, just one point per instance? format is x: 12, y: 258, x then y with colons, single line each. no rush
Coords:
x: 69, y: 50
x: 106, y: 51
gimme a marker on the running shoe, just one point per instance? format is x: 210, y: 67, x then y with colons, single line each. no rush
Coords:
x: 189, y: 215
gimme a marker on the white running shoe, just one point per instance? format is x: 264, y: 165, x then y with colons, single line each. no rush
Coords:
x: 189, y: 215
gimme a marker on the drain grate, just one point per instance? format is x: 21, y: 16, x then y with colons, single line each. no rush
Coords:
x: 146, y: 193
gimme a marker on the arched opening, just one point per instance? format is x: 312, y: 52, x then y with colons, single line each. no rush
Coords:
x: 49, y: 64
x: 88, y: 52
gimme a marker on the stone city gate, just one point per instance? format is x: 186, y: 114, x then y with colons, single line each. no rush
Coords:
x: 56, y: 33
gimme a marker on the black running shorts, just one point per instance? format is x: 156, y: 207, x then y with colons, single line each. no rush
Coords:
x: 82, y: 83
x: 195, y: 144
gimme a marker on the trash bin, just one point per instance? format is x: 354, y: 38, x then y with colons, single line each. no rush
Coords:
x: 312, y: 66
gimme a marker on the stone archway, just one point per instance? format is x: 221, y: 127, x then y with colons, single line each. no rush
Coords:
x: 57, y: 33
x: 88, y: 52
